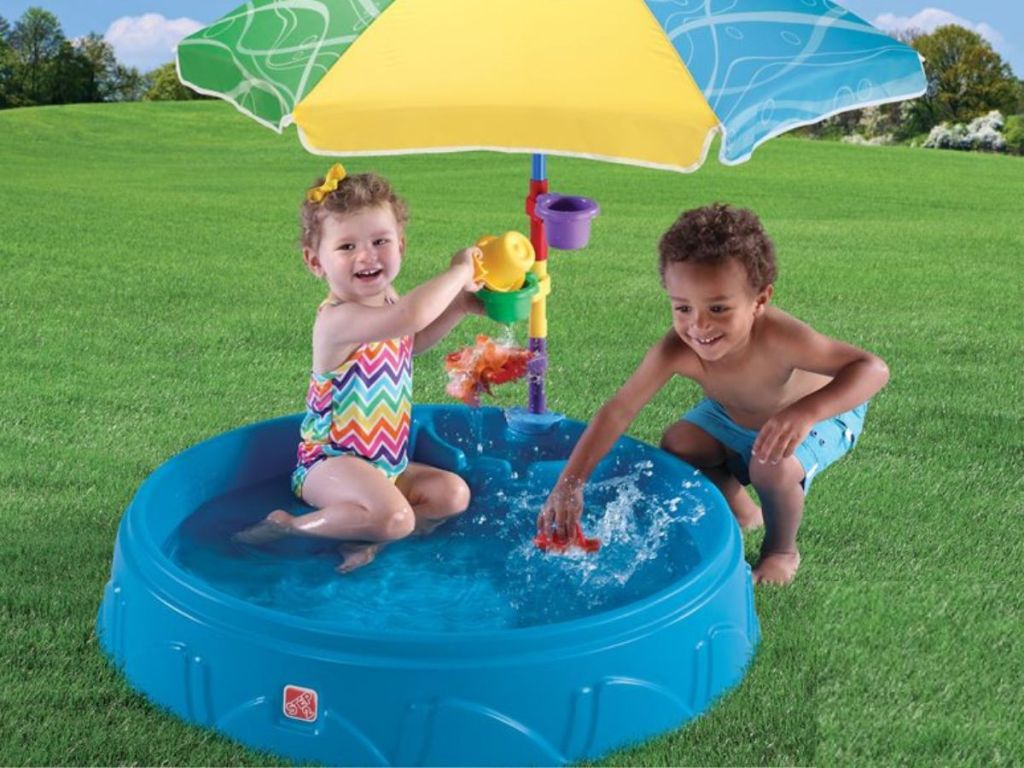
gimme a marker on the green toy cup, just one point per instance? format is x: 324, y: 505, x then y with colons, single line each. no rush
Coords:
x: 510, y: 306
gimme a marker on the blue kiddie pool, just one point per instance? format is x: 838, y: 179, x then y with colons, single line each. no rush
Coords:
x: 467, y: 647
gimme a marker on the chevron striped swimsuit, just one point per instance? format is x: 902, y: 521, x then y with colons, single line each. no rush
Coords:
x: 361, y: 408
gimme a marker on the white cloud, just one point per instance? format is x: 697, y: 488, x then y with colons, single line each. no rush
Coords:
x: 930, y: 19
x: 148, y: 41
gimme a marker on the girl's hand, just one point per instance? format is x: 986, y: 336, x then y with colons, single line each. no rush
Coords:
x: 470, y: 304
x: 781, y: 434
x: 464, y: 259
x: 561, y: 513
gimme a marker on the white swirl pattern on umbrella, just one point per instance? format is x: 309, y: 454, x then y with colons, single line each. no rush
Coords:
x: 767, y: 67
x: 269, y: 54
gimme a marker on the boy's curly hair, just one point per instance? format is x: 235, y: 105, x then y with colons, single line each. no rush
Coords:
x: 718, y: 232
x: 355, y: 192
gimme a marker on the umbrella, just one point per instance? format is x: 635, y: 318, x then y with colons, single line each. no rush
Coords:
x: 645, y: 82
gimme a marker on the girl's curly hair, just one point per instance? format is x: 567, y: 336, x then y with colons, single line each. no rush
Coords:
x: 718, y: 232
x: 354, y: 193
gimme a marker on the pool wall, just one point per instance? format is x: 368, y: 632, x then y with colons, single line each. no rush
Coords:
x: 298, y: 688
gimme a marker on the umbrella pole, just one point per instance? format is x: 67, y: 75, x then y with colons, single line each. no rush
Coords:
x: 537, y: 367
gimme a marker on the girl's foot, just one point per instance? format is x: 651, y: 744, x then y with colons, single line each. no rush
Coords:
x: 425, y: 526
x: 356, y: 554
x: 776, y: 568
x: 274, y: 526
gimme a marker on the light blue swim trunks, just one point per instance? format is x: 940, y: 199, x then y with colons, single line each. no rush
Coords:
x: 828, y: 441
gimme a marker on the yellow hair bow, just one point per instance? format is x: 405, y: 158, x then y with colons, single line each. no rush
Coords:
x: 334, y: 177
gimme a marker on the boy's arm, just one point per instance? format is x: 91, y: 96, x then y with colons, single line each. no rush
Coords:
x: 462, y: 305
x: 857, y: 376
x: 564, y: 505
x: 351, y: 323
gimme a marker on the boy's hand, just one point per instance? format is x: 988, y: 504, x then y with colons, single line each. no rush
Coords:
x: 781, y: 434
x: 561, y: 512
x: 464, y: 259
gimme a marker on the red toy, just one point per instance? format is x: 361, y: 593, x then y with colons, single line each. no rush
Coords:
x: 556, y: 543
x: 472, y: 370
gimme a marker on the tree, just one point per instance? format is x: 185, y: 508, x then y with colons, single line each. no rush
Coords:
x: 6, y: 64
x: 101, y: 58
x: 1013, y: 132
x: 167, y: 87
x: 966, y: 78
x: 36, y: 40
x: 128, y: 84
x: 72, y: 76
x: 38, y: 65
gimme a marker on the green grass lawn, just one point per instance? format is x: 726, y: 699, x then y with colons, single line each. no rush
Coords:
x: 152, y: 295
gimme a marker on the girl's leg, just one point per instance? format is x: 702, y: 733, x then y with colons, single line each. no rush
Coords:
x: 782, y: 497
x: 695, y: 446
x: 355, y: 502
x: 435, y: 495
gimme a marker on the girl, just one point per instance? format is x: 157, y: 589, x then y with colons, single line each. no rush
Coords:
x: 353, y: 463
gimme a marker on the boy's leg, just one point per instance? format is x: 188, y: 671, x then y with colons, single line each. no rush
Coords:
x: 695, y: 446
x: 435, y: 495
x: 782, y: 498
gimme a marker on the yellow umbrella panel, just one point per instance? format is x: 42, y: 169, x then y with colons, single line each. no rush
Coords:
x: 415, y: 81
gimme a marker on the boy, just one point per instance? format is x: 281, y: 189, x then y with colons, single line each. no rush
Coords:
x: 781, y: 401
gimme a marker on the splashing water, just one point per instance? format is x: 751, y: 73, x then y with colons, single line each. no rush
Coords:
x: 507, y: 338
x: 480, y: 571
x: 475, y: 370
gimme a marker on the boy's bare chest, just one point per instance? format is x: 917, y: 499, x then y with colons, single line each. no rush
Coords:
x: 752, y: 390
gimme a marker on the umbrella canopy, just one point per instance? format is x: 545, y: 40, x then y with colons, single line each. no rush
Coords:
x: 645, y: 82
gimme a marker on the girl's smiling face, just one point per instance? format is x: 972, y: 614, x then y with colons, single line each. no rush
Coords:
x: 713, y: 305
x: 359, y: 253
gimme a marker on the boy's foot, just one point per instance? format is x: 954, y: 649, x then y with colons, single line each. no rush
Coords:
x: 747, y: 513
x: 776, y: 568
x: 274, y: 526
x: 356, y: 554
x: 750, y: 519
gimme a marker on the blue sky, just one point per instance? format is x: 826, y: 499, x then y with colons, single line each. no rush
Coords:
x: 144, y: 32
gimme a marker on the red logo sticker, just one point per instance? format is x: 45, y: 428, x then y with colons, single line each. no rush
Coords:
x: 300, y: 703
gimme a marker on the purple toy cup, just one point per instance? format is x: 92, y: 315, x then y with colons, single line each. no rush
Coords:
x: 566, y: 219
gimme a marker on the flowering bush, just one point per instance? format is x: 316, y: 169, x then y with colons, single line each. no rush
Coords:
x: 875, y: 141
x: 983, y: 133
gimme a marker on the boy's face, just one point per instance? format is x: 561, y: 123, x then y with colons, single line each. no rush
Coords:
x: 359, y: 253
x: 713, y: 306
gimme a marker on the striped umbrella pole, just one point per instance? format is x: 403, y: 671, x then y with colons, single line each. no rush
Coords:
x: 537, y: 367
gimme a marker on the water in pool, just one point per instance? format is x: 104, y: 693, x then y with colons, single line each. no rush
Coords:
x: 478, y: 572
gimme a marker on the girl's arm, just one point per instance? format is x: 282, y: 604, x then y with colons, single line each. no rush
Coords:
x: 857, y: 375
x: 462, y: 305
x: 562, y: 510
x: 353, y: 323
